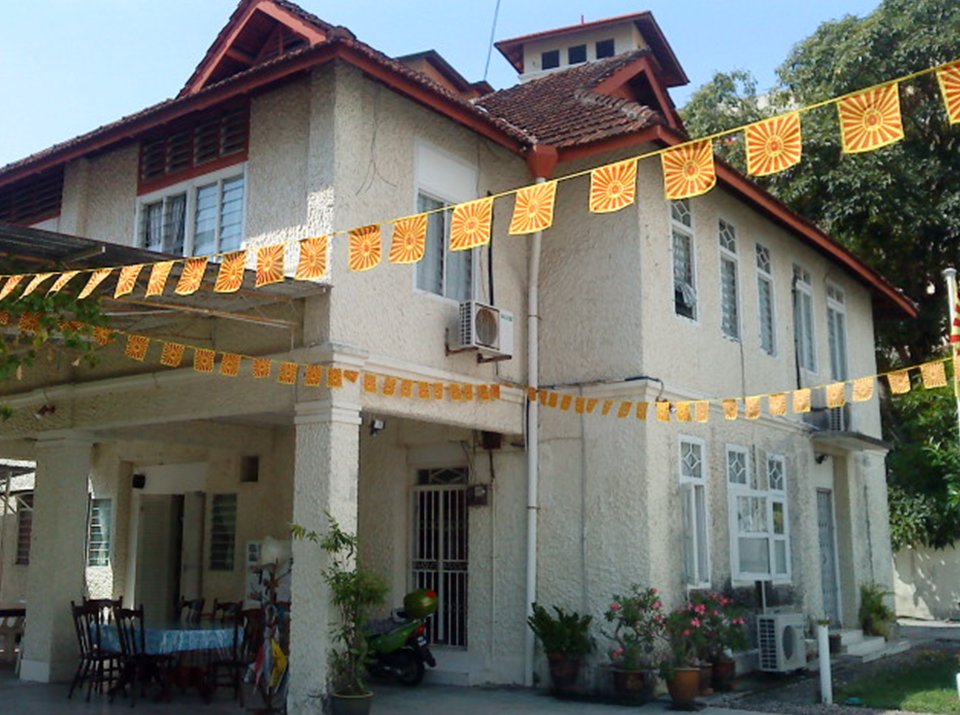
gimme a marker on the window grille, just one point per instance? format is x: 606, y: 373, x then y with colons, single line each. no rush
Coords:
x: 441, y: 271
x: 223, y: 532
x: 729, y: 290
x: 684, y: 284
x: 24, y: 528
x: 758, y: 516
x: 803, y: 319
x: 98, y: 538
x: 32, y: 200
x: 765, y: 300
x: 694, y: 513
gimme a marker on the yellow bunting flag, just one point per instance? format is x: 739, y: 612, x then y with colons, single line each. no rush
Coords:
x: 949, y: 80
x: 778, y: 404
x: 230, y: 365
x: 335, y: 378
x: 625, y: 409
x: 532, y: 394
x: 351, y: 376
x: 613, y: 187
x: 642, y: 410
x: 172, y: 354
x: 288, y: 373
x: 137, y: 347
x: 494, y: 392
x: 369, y: 382
x: 127, y: 280
x: 456, y: 392
x: 62, y: 281
x: 158, y: 278
x: 684, y: 413
x: 313, y: 259
x: 192, y: 276
x: 533, y: 208
x: 934, y: 374
x: 663, y: 411
x: 752, y: 407
x: 203, y: 360
x: 366, y: 248
x: 270, y: 264
x: 591, y: 402
x: 438, y: 390
x: 389, y: 386
x: 607, y: 406
x: 730, y: 409
x: 801, y: 401
x: 836, y: 394
x: 871, y: 119
x: 565, y: 402
x: 423, y: 391
x: 773, y: 144
x: 702, y: 411
x: 483, y: 391
x: 35, y: 283
x: 406, y: 388
x: 552, y: 399
x: 688, y: 170
x: 471, y: 223
x: 230, y: 276
x: 863, y: 389
x: 899, y: 382
x: 102, y: 336
x: 29, y: 323
x: 409, y: 240
x: 96, y: 278
x: 313, y: 376
x: 10, y: 286
x: 262, y: 368
x: 579, y: 405
x: 956, y: 367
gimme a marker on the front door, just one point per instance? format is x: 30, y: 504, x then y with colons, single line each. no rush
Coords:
x: 828, y: 556
x: 440, y: 550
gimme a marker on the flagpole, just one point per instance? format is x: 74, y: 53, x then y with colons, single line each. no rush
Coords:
x: 950, y: 276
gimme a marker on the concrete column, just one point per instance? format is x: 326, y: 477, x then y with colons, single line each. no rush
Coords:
x: 57, y: 565
x: 326, y: 470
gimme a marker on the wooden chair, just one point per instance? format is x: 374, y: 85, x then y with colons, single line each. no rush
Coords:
x: 138, y: 666
x: 228, y: 665
x: 97, y: 667
x: 191, y: 611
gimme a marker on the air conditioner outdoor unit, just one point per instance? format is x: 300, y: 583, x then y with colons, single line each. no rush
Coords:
x: 782, y: 646
x: 484, y: 328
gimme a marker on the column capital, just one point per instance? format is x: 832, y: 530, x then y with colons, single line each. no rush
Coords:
x: 318, y: 411
x: 342, y: 354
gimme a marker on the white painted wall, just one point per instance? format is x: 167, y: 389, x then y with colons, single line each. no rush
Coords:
x: 927, y: 582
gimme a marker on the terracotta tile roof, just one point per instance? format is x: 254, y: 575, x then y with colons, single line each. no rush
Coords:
x: 562, y: 109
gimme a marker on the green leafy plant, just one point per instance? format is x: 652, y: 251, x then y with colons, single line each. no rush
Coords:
x: 637, y: 618
x: 722, y: 624
x: 355, y: 593
x: 875, y: 615
x: 566, y: 634
x: 686, y: 637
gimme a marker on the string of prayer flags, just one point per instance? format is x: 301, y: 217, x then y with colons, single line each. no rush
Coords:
x: 262, y: 367
x: 607, y: 407
x: 777, y: 404
x: 625, y: 409
x: 35, y: 283
x: 370, y: 383
x: 229, y: 365
x: 471, y: 224
x: 127, y: 280
x: 730, y: 409
x: 312, y: 265
x: 288, y: 373
x: 702, y: 411
x: 172, y: 354
x: 802, y: 401
x: 949, y: 80
x: 899, y: 382
x: 62, y: 281
x: 934, y: 374
x: 203, y: 359
x: 613, y: 187
x: 409, y: 241
x: 642, y: 408
x: 137, y: 346
x: 96, y: 278
x: 192, y: 276
x: 10, y: 285
x: 863, y: 389
x: 158, y: 278
x: 663, y: 411
x: 752, y: 407
x: 688, y: 170
x: 230, y: 276
x: 684, y: 413
x: 366, y: 248
x: 270, y: 264
x: 533, y: 208
x: 871, y: 119
x: 773, y: 144
x: 313, y: 376
x: 836, y: 395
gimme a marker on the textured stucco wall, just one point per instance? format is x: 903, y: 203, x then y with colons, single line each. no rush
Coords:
x: 927, y: 582
x: 13, y: 588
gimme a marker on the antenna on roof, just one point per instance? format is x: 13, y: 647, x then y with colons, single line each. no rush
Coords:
x: 493, y: 31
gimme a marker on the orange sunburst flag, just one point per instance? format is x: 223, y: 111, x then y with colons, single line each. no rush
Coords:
x: 471, y: 224
x: 366, y: 248
x: 663, y: 411
x: 899, y: 382
x: 389, y: 386
x: 773, y: 144
x: 801, y: 400
x: 836, y: 394
x: 127, y: 280
x: 334, y: 377
x: 607, y: 406
x: 863, y: 389
x: 29, y: 323
x: 192, y: 276
x: 642, y: 408
x: 934, y: 374
x: 949, y: 80
x: 409, y: 241
x: 369, y: 382
x: 137, y: 346
x: 613, y: 187
x: 230, y: 276
x: 565, y: 401
x: 752, y: 407
x: 871, y: 119
x: 688, y: 170
x: 456, y: 392
x: 438, y: 390
x: 702, y: 411
x: 230, y: 365
x: 424, y: 392
x: 288, y: 373
x: 533, y: 208
x: 102, y: 336
x: 35, y: 283
x: 730, y: 409
x: 313, y: 259
x: 10, y: 286
x: 468, y: 393
x: 159, y: 273
x: 172, y: 354
x: 262, y: 367
x: 778, y: 404
x: 203, y: 360
x: 684, y: 413
x: 591, y: 402
x: 313, y: 377
x: 270, y: 264
x: 96, y: 278
x: 61, y: 282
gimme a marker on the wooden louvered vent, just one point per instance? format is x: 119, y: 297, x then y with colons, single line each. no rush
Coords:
x: 32, y: 200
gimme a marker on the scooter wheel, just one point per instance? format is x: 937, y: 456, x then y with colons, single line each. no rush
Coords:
x: 411, y: 669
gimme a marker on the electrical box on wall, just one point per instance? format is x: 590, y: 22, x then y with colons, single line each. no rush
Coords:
x: 478, y: 494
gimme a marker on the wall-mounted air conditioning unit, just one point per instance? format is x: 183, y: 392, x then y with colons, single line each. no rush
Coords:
x: 485, y: 329
x: 781, y: 641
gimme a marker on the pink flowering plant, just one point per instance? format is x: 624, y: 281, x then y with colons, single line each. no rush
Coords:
x: 685, y: 632
x: 722, y: 624
x: 637, y: 620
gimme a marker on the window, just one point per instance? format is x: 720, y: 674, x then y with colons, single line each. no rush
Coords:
x: 729, y: 291
x: 605, y: 48
x: 24, y: 528
x: 195, y: 218
x: 696, y: 565
x: 550, y: 59
x: 443, y: 272
x: 34, y: 199
x: 837, y: 331
x: 765, y: 300
x: 577, y: 54
x: 759, y: 531
x: 98, y: 536
x: 223, y: 531
x: 803, y: 319
x: 684, y: 286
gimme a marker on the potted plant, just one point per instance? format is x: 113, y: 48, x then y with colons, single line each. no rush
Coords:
x: 354, y: 593
x: 722, y: 634
x: 637, y: 618
x: 565, y: 638
x: 875, y: 615
x: 680, y: 666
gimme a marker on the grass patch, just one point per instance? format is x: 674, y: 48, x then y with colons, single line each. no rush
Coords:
x: 928, y: 685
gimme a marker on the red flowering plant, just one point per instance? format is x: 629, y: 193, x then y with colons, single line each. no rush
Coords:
x: 722, y: 625
x: 686, y: 638
x: 637, y: 618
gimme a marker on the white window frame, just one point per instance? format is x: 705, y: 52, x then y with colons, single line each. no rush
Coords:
x: 472, y: 253
x: 688, y: 489
x: 765, y: 277
x: 189, y: 187
x: 729, y: 257
x: 678, y: 227
x: 97, y: 505
x: 213, y: 562
x: 803, y: 291
x: 837, y: 307
x: 756, y: 490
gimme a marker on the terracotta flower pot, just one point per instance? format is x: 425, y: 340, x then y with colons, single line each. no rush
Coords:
x: 635, y: 685
x: 724, y: 671
x: 684, y: 687
x: 564, y: 671
x: 706, y: 678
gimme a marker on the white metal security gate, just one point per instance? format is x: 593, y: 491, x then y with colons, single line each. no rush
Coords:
x: 440, y: 550
x: 828, y: 556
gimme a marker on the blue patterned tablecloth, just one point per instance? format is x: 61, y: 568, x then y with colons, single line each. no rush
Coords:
x: 174, y: 639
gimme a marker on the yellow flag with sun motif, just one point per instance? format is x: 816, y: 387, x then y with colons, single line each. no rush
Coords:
x: 533, y: 208
x: 230, y: 277
x: 471, y: 224
x: 270, y: 264
x: 409, y: 240
x: 366, y: 248
x: 773, y: 144
x: 871, y: 119
x: 688, y: 170
x: 613, y: 187
x: 949, y: 80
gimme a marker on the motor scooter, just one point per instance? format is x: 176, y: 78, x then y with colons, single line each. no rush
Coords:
x: 398, y: 644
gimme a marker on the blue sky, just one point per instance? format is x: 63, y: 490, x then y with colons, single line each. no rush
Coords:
x: 67, y: 66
